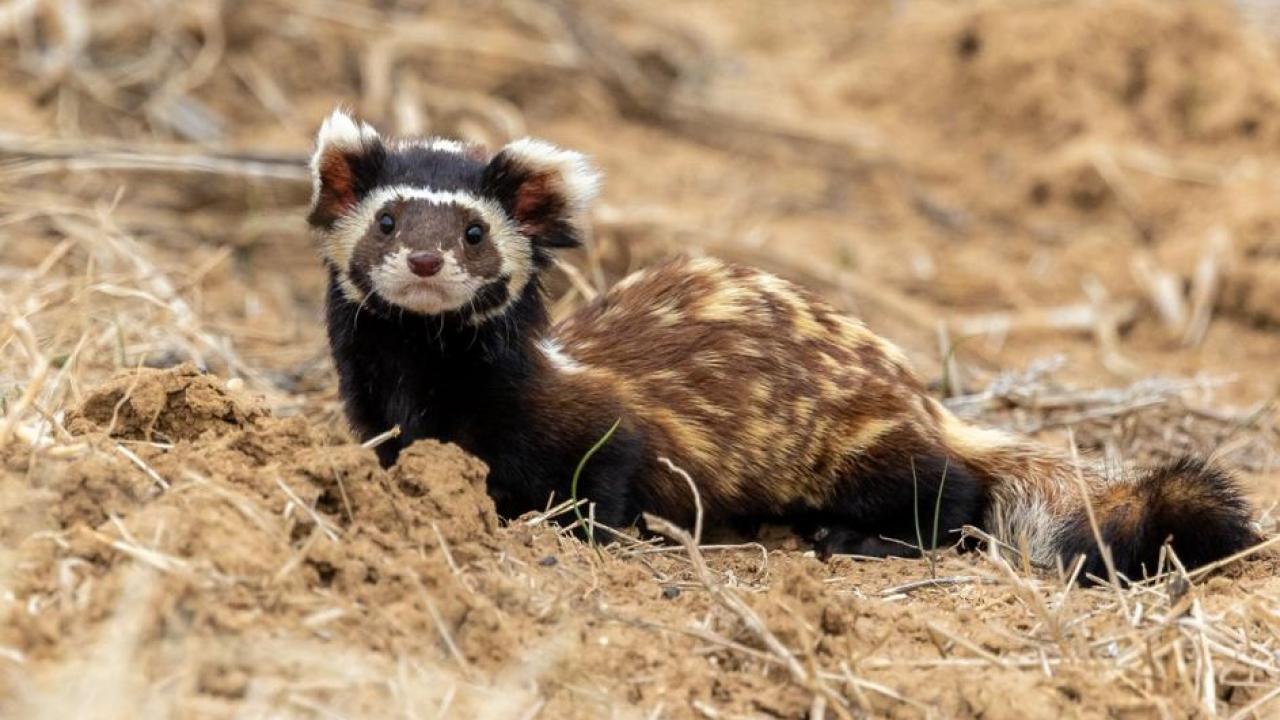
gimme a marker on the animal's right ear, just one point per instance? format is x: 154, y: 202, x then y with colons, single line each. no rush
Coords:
x: 545, y: 189
x: 349, y: 156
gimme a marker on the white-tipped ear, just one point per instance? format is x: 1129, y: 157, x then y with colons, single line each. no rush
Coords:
x: 344, y: 133
x: 546, y: 190
x: 348, y: 156
x: 577, y: 174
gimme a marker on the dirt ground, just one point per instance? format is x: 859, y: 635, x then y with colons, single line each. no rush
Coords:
x: 1064, y: 212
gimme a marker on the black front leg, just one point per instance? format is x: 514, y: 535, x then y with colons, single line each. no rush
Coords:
x: 893, y: 507
x: 361, y: 343
x: 388, y: 452
x: 524, y: 478
x: 363, y: 409
x: 609, y: 480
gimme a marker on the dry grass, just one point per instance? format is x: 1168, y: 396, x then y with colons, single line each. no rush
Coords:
x: 141, y: 229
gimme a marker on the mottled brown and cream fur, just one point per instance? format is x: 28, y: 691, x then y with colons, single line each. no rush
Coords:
x: 750, y: 383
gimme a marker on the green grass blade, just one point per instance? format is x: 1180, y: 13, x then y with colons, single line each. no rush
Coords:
x: 937, y: 506
x: 915, y: 505
x: 573, y: 487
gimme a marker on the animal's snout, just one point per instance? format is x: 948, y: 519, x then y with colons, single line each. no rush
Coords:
x: 425, y: 264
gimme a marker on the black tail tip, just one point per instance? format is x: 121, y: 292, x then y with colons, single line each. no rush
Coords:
x: 1194, y: 506
x: 1204, y: 510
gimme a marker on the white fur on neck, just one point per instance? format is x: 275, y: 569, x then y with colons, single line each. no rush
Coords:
x: 558, y: 358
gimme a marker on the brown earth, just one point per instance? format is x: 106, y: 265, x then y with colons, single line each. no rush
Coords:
x: 281, y: 559
x: 1038, y: 179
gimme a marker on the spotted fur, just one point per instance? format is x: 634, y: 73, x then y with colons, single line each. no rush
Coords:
x: 781, y: 408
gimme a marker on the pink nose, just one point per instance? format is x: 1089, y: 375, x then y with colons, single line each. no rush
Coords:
x: 425, y: 264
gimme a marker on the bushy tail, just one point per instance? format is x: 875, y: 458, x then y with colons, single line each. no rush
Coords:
x: 1034, y: 504
x: 1196, y: 508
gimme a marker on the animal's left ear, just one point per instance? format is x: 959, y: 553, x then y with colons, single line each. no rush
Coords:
x: 545, y: 189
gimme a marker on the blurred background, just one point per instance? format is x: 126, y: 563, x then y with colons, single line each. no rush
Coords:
x: 991, y: 183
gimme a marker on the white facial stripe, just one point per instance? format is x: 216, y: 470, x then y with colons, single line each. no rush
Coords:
x: 517, y: 266
x: 341, y: 241
x: 434, y: 144
x: 451, y: 267
x: 349, y: 289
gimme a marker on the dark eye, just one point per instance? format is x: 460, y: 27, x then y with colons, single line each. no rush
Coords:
x: 386, y: 223
x: 474, y: 234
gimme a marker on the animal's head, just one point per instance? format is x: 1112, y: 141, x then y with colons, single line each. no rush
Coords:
x: 436, y: 226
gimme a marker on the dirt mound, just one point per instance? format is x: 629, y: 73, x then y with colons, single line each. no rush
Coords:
x: 272, y: 553
x: 247, y: 524
x: 179, y: 403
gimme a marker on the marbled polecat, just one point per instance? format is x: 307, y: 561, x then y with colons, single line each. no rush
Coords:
x: 782, y: 409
